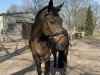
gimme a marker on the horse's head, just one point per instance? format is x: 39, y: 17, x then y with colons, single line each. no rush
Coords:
x: 51, y: 24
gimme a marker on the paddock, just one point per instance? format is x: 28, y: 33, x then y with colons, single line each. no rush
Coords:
x: 83, y: 58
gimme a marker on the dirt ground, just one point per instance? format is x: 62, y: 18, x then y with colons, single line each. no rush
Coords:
x: 83, y: 58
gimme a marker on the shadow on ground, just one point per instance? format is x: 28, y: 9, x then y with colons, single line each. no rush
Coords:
x: 13, y: 54
x: 92, y: 41
x: 26, y: 70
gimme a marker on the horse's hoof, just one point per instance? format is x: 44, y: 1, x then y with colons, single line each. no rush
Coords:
x: 61, y: 71
x: 57, y: 73
x: 53, y: 69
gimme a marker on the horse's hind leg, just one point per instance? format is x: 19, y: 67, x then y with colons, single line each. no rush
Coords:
x: 38, y: 64
x: 61, y: 63
x: 61, y: 59
x: 65, y: 60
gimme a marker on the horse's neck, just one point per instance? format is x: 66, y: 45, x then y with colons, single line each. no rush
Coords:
x: 36, y: 29
x: 36, y: 33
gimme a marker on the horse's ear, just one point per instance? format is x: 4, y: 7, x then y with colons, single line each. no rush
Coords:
x: 50, y: 5
x: 59, y: 7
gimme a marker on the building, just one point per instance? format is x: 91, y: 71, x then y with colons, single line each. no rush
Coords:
x: 15, y: 26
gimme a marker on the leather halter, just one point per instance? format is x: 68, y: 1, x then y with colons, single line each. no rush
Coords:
x: 56, y: 34
x: 51, y: 34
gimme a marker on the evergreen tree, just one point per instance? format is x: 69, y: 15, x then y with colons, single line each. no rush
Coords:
x: 89, y: 26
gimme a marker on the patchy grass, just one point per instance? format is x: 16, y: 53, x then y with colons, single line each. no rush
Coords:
x: 96, y: 35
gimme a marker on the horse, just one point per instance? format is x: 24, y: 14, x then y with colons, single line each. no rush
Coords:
x: 49, y: 37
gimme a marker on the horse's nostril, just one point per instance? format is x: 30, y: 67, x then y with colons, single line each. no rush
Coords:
x: 62, y: 45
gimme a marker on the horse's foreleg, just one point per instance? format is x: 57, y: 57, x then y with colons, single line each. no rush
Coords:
x: 47, y: 63
x: 38, y: 64
x: 47, y: 67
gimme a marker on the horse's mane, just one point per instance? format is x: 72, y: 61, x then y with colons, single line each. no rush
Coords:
x: 38, y: 19
x: 39, y: 13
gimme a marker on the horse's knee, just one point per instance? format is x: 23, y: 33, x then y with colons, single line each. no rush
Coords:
x: 47, y: 56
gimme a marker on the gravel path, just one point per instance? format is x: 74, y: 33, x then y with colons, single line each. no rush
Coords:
x: 83, y: 58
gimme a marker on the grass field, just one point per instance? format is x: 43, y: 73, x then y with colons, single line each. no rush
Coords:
x: 96, y: 35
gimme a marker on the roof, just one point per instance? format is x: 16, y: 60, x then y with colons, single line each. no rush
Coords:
x: 16, y: 13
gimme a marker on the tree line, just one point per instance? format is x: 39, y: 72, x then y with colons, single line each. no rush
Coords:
x: 78, y: 15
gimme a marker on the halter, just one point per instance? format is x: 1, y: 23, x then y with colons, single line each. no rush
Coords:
x: 51, y: 34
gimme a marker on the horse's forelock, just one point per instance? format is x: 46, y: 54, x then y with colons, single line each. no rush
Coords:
x: 44, y: 11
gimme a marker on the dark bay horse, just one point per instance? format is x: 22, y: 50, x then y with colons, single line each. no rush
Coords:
x: 49, y: 37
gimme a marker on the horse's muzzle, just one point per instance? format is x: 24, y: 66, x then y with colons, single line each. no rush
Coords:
x: 60, y: 46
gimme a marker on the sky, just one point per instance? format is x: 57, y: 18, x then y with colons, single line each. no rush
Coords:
x: 5, y: 4
x: 98, y: 1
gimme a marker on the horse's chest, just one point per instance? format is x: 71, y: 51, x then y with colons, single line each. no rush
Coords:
x: 41, y: 48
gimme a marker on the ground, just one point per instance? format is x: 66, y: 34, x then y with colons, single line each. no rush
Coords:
x: 83, y: 58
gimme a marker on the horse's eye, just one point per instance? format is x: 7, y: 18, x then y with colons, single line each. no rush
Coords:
x: 53, y: 39
x: 47, y: 28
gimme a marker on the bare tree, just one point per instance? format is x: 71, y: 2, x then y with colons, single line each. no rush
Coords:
x: 27, y: 6
x: 73, y: 7
x: 12, y: 8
